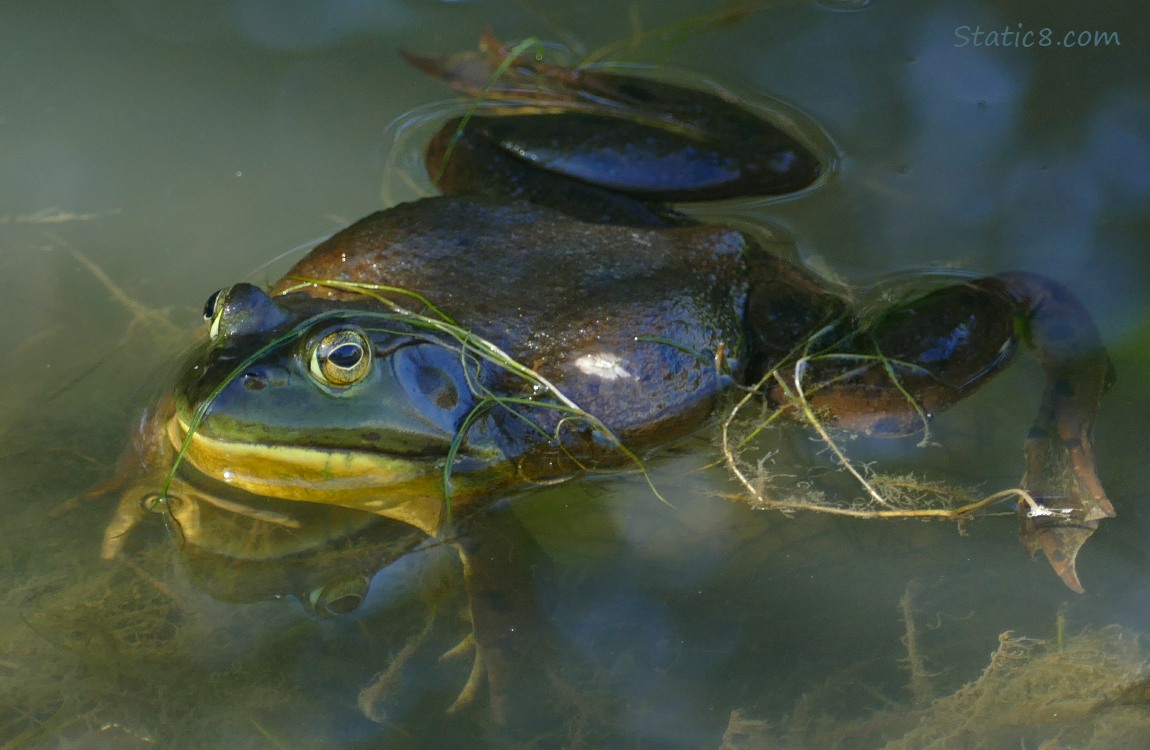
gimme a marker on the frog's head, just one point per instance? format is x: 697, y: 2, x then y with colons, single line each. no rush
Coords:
x: 302, y: 399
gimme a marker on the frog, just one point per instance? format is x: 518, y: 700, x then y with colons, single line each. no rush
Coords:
x: 553, y: 312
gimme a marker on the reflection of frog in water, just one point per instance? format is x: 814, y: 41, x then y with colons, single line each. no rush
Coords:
x: 554, y: 243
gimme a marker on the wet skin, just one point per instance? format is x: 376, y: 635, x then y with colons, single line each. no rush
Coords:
x: 554, y: 241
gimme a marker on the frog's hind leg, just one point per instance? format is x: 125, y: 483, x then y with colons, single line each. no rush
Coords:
x: 471, y: 161
x: 888, y: 375
x: 604, y: 146
x: 1060, y: 467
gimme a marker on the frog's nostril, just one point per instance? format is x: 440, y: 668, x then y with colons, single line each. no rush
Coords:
x: 253, y: 381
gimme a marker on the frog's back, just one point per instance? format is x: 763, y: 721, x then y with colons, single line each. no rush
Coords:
x: 628, y: 322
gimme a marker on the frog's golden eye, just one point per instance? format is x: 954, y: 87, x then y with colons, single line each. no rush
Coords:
x: 342, y: 358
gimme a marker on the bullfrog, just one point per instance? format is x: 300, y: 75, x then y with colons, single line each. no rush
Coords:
x: 552, y: 313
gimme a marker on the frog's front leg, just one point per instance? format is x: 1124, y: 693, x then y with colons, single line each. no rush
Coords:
x: 1060, y: 467
x: 514, y: 642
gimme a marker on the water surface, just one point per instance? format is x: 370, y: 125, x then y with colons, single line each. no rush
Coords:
x: 178, y: 149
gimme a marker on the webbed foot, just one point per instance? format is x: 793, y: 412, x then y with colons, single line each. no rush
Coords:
x: 1061, y: 478
x: 1059, y: 539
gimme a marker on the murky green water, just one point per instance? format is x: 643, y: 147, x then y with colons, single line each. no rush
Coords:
x: 180, y: 147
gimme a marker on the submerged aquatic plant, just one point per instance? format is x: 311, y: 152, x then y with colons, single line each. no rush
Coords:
x: 885, y: 496
x: 1087, y: 691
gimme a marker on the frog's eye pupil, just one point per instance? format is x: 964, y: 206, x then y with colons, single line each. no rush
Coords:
x: 346, y: 355
x: 341, y: 358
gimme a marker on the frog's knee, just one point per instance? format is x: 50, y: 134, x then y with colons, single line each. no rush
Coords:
x: 958, y: 335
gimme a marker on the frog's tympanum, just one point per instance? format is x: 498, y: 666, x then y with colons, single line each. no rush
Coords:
x: 551, y: 314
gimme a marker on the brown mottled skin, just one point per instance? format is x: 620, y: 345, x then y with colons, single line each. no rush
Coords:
x: 556, y: 242
x: 552, y: 265
x: 547, y: 289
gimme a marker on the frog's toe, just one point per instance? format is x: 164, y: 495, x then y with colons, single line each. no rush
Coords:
x: 1070, y: 499
x: 470, y: 691
x: 1060, y: 540
x: 129, y: 513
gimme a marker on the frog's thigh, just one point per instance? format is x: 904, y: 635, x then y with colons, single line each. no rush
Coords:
x: 913, y: 360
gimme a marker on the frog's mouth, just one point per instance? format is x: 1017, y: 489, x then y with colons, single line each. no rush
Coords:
x: 406, y: 489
